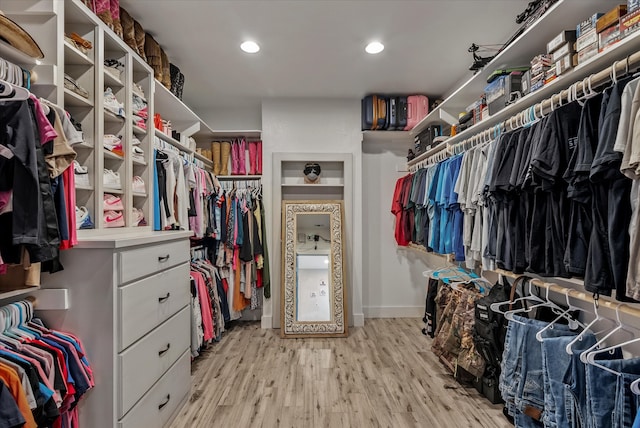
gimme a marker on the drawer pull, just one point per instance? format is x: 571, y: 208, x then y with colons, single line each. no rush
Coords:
x: 164, y: 351
x: 165, y: 298
x: 163, y: 259
x: 166, y: 401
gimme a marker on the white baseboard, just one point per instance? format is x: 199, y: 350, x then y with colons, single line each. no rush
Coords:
x: 266, y: 322
x: 393, y: 311
x: 358, y: 320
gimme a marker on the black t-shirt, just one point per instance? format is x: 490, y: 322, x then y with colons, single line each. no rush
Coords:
x: 10, y: 415
x: 523, y: 146
x: 505, y: 157
x: 579, y: 168
x: 557, y: 142
x: 606, y: 161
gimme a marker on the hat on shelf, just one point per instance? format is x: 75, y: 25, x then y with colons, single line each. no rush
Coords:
x: 18, y: 37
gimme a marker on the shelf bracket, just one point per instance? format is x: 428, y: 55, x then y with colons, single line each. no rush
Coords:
x: 52, y: 299
x: 449, y: 118
x: 188, y: 130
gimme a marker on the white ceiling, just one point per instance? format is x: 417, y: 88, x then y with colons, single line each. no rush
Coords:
x: 315, y: 48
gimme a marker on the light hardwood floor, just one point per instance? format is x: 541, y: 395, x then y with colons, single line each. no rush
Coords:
x: 382, y: 375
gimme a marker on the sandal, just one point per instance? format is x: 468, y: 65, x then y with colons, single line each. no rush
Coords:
x: 82, y: 42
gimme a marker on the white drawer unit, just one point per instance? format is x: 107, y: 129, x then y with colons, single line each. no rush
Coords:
x: 141, y: 262
x: 144, y: 363
x: 144, y: 304
x: 163, y: 399
x: 130, y: 304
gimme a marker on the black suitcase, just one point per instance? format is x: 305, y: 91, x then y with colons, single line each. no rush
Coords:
x: 392, y: 117
x: 401, y: 112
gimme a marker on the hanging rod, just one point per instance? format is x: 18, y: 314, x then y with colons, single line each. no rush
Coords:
x: 603, y: 301
x: 239, y: 177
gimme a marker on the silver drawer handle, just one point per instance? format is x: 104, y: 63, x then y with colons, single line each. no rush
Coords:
x: 165, y: 298
x: 163, y: 259
x: 166, y: 401
x: 164, y: 351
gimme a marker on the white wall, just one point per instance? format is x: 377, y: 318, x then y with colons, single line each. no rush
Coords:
x: 393, y: 285
x: 233, y: 118
x: 314, y: 126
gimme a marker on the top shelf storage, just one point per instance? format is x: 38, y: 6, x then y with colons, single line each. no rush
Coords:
x: 561, y: 16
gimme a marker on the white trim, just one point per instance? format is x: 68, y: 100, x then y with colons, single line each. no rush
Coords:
x: 393, y: 311
x: 358, y: 320
x: 266, y: 322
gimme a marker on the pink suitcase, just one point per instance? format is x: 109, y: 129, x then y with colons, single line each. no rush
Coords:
x: 417, y: 109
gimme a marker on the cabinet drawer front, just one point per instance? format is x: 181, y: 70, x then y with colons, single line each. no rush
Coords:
x: 162, y: 401
x: 145, y: 362
x: 144, y: 261
x: 145, y: 304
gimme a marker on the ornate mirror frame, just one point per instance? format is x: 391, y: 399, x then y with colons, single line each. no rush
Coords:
x: 289, y: 325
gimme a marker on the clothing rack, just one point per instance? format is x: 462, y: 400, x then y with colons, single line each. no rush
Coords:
x: 603, y: 301
x: 541, y: 109
x: 160, y: 144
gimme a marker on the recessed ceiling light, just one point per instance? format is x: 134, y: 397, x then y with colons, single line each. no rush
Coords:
x: 374, y: 48
x: 250, y: 46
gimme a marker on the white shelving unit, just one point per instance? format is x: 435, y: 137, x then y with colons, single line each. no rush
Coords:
x: 530, y: 43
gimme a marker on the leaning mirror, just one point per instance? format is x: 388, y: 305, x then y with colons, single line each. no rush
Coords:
x: 313, y: 288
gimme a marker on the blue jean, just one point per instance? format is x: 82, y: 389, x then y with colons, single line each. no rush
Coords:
x: 610, y: 400
x: 576, y: 408
x: 558, y: 375
x: 521, y: 381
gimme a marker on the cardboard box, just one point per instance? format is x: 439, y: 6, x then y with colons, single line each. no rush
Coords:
x: 566, y: 64
x: 630, y: 23
x: 609, y: 37
x: 588, y: 24
x: 587, y: 53
x: 610, y: 18
x: 586, y: 40
x: 567, y: 36
x: 565, y: 50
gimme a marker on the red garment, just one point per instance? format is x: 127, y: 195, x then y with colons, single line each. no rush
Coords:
x: 205, y: 305
x: 397, y: 208
x: 259, y: 281
x: 69, y: 181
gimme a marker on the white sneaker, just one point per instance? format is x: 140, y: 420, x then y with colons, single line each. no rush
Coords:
x: 113, y: 219
x: 81, y: 174
x: 135, y: 141
x: 138, y: 185
x: 112, y: 203
x: 137, y: 154
x: 137, y: 90
x: 83, y: 219
x: 111, y: 179
x: 112, y: 104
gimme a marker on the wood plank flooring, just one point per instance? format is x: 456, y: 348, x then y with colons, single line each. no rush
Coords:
x: 383, y: 375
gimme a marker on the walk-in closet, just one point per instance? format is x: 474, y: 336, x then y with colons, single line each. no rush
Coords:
x: 306, y: 213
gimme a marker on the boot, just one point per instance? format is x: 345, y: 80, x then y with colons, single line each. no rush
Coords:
x: 242, y: 160
x: 259, y: 157
x: 252, y: 158
x: 215, y: 157
x: 234, y: 157
x: 225, y: 150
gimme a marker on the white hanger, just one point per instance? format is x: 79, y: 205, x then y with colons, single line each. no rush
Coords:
x: 573, y: 324
x: 529, y: 297
x: 586, y: 329
x: 635, y: 386
x: 17, y: 93
x: 546, y: 302
x: 620, y: 326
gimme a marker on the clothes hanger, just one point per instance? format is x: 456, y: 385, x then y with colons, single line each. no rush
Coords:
x: 529, y: 297
x: 17, y: 93
x: 635, y: 386
x: 573, y: 323
x: 544, y: 303
x: 619, y: 327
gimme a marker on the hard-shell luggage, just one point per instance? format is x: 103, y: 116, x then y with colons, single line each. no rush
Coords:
x: 374, y: 113
x: 417, y: 109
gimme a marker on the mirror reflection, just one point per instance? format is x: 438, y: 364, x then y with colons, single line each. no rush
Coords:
x: 313, y: 251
